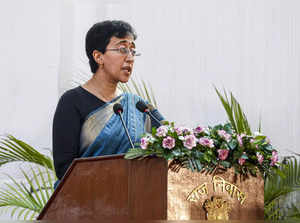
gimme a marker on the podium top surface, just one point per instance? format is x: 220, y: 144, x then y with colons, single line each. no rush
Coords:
x: 145, y: 221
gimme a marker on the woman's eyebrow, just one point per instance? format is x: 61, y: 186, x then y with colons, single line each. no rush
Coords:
x: 126, y: 41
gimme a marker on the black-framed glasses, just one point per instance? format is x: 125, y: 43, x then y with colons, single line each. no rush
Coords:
x: 125, y: 51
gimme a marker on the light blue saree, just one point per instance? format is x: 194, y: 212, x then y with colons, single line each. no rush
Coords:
x: 102, y: 132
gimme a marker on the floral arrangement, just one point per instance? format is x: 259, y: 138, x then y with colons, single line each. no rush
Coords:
x: 209, y: 148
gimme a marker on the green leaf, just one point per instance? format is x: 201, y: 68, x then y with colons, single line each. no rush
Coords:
x: 198, y: 165
x: 207, y: 157
x: 268, y: 147
x: 27, y: 198
x: 279, y: 184
x: 198, y: 154
x: 260, y: 137
x: 234, y: 112
x: 233, y: 144
x: 224, y: 145
x: 225, y: 164
x: 228, y: 108
x: 176, y: 152
x: 191, y: 165
x: 134, y: 153
x: 244, y: 156
x: 13, y: 149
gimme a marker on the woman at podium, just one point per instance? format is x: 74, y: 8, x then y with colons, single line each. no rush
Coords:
x: 85, y: 124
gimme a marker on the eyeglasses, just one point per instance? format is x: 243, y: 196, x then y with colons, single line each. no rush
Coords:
x: 125, y: 51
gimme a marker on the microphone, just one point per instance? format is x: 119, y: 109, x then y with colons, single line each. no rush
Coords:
x: 142, y: 107
x: 118, y: 110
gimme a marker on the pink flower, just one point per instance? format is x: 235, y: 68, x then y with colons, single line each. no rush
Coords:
x: 144, y: 143
x: 162, y: 131
x: 186, y: 130
x: 168, y: 143
x: 223, y: 134
x: 206, y: 142
x: 189, y: 141
x: 240, y: 139
x: 242, y: 161
x: 274, y: 158
x: 260, y: 158
x: 179, y: 130
x: 223, y: 154
x: 198, y: 130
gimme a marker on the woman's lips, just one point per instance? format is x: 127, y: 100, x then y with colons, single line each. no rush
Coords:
x: 127, y: 68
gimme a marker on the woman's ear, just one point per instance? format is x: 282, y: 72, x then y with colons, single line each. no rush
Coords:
x: 98, y: 57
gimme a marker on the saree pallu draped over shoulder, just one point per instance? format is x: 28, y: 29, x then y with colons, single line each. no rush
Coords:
x: 102, y: 132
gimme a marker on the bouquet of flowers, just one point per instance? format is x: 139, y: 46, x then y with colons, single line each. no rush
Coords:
x: 209, y: 148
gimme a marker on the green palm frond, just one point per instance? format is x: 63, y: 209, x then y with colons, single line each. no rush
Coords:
x: 140, y: 88
x: 13, y: 149
x: 279, y: 186
x: 26, y: 199
x: 293, y: 212
x: 236, y: 116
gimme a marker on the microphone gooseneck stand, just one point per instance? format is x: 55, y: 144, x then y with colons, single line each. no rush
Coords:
x: 118, y: 109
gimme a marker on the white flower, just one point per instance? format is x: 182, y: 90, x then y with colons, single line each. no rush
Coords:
x: 181, y: 138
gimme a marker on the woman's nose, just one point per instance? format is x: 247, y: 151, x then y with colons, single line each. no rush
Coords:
x: 130, y: 57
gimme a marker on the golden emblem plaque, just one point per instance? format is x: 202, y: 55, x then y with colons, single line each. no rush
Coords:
x: 194, y: 195
x: 217, y: 209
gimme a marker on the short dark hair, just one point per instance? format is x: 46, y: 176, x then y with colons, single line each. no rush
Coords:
x: 99, y: 35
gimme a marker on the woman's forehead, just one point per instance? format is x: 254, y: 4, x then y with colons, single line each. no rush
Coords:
x: 128, y: 40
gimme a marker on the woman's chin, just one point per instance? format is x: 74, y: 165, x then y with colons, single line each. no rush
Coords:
x: 124, y: 79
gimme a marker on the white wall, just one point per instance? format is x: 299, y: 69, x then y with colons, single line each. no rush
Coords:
x: 29, y: 65
x: 29, y: 61
x: 251, y: 47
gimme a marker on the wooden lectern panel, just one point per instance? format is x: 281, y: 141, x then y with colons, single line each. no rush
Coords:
x: 110, y: 187
x: 154, y: 188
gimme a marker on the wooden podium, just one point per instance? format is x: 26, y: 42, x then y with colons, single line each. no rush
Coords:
x: 110, y: 187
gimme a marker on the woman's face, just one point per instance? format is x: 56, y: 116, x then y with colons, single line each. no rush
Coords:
x: 118, y: 66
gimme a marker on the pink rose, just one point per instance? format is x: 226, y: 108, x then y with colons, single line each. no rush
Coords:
x: 274, y: 158
x: 240, y: 139
x: 223, y: 154
x: 144, y: 143
x: 206, y: 142
x: 198, y: 130
x: 260, y: 158
x: 242, y: 161
x: 223, y: 134
x: 162, y: 131
x: 189, y: 141
x: 179, y: 130
x: 187, y: 131
x: 168, y: 142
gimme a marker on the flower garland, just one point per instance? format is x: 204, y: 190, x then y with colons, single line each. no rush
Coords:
x: 208, y: 148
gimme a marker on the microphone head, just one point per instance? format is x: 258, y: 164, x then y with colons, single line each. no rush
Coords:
x: 118, y: 108
x: 141, y: 106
